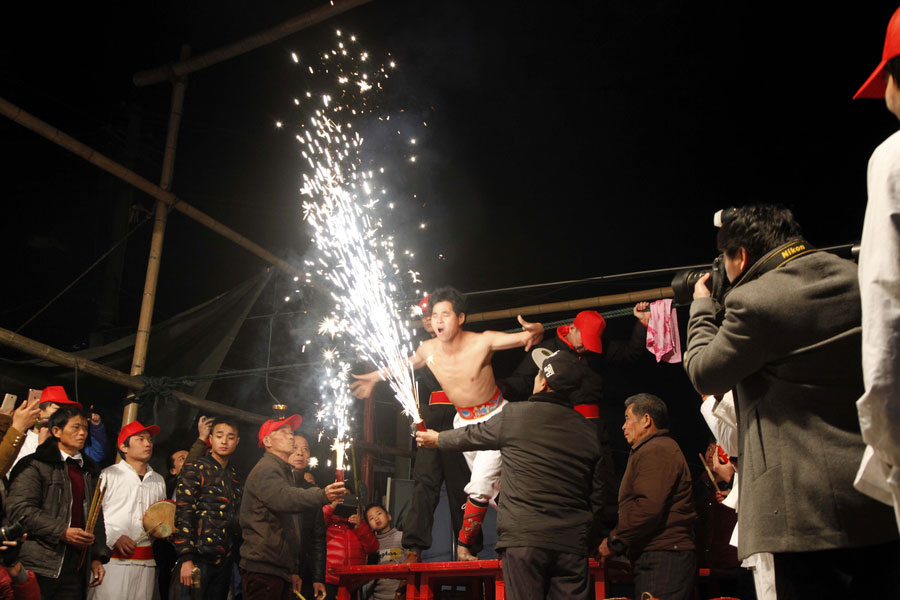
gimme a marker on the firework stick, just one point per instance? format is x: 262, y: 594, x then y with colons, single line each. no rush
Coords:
x: 420, y: 426
x: 96, y: 503
x: 709, y: 472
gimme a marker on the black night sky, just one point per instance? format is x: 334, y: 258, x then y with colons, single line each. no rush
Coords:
x: 563, y: 141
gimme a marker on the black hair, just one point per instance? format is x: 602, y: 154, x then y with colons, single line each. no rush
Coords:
x: 758, y: 228
x: 62, y: 416
x: 170, y: 459
x: 230, y: 421
x: 892, y: 68
x: 375, y: 505
x: 448, y: 294
x: 648, y: 404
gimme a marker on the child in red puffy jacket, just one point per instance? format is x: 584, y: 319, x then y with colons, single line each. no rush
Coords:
x: 349, y: 542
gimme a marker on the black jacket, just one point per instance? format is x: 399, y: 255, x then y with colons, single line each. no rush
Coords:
x: 549, y: 496
x: 312, y: 539
x: 207, y: 504
x: 41, y: 495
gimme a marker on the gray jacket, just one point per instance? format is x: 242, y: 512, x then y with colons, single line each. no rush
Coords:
x: 269, y: 522
x: 40, y: 494
x: 789, y: 346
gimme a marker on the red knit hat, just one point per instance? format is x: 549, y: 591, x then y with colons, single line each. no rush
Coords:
x: 57, y: 395
x: 875, y: 85
x: 591, y: 324
x: 135, y: 428
x: 294, y: 421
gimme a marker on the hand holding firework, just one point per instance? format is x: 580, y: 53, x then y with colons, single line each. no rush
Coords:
x: 427, y: 438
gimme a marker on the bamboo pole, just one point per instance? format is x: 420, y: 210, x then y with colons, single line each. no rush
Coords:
x: 573, y: 305
x: 85, y: 366
x: 185, y: 67
x: 161, y: 214
x: 56, y: 136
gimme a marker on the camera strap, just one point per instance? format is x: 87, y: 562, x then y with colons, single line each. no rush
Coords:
x: 776, y: 259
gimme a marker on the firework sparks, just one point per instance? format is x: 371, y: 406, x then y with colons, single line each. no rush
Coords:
x: 354, y: 258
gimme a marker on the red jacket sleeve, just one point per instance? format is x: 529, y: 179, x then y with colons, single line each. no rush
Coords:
x: 366, y: 538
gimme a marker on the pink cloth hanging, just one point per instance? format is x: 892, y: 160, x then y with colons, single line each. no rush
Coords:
x: 662, y: 332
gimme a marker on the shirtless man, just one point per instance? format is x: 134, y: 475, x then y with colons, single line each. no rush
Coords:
x: 461, y: 362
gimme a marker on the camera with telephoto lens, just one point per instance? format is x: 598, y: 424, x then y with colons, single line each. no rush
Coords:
x: 684, y: 281
x: 13, y: 532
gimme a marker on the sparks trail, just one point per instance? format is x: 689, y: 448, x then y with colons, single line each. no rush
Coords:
x: 353, y: 256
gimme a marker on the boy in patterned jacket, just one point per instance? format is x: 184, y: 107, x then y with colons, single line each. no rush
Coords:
x: 390, y: 549
x: 207, y: 503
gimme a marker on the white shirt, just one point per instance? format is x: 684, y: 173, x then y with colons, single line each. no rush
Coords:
x: 879, y: 286
x: 127, y: 499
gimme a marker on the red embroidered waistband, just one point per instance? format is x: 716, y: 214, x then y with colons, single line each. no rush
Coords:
x: 474, y: 412
x: 439, y: 397
x: 588, y: 411
x: 140, y: 553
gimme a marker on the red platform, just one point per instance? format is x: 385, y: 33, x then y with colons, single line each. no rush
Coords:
x: 424, y: 580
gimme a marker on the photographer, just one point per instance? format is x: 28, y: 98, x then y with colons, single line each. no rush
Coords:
x: 789, y: 345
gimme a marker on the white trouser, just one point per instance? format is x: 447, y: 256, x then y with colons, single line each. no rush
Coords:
x: 484, y: 484
x: 125, y: 580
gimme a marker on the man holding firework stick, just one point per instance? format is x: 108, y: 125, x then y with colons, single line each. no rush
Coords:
x: 461, y: 362
x: 132, y: 486
x: 50, y: 492
x: 270, y: 568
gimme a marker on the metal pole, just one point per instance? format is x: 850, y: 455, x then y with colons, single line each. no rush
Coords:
x: 185, y: 67
x: 156, y: 241
x: 368, y: 461
x: 573, y: 305
x: 56, y: 136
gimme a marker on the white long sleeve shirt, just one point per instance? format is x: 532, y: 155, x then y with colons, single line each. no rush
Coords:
x: 127, y: 499
x: 879, y: 286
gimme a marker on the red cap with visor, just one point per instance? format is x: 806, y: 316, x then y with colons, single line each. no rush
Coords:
x: 293, y: 421
x: 135, y: 428
x: 875, y: 85
x: 591, y: 324
x: 57, y: 395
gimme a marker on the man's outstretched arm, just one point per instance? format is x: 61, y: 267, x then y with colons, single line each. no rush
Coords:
x: 531, y: 335
x: 365, y: 383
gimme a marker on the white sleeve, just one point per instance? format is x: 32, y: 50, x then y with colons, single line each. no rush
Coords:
x: 717, y: 414
x: 879, y: 283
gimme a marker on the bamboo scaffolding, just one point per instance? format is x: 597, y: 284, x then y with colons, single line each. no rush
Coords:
x: 148, y: 300
x: 84, y: 366
x: 573, y: 305
x: 263, y: 38
x: 56, y: 136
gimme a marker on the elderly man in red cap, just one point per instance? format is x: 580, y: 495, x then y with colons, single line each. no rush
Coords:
x: 52, y: 398
x: 131, y: 487
x: 879, y: 280
x: 271, y: 549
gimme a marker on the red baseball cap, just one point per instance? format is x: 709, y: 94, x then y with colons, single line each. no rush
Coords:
x: 875, y: 85
x: 135, y: 428
x: 293, y: 421
x: 423, y: 304
x: 57, y: 395
x: 591, y: 324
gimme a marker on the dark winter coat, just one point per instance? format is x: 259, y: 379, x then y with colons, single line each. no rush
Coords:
x: 549, y: 494
x: 312, y: 539
x: 207, y: 505
x: 790, y: 348
x: 656, y: 500
x: 40, y: 495
x: 268, y: 512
